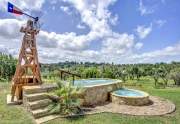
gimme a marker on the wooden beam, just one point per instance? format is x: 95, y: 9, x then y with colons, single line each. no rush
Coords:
x: 68, y: 72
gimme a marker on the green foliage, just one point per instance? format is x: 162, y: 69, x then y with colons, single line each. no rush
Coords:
x: 99, y: 70
x: 91, y: 73
x: 108, y: 72
x: 176, y: 78
x: 156, y: 78
x: 7, y: 67
x: 161, y: 72
x: 122, y: 74
x: 65, y: 99
x: 175, y: 75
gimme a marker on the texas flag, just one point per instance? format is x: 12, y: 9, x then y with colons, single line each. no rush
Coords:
x: 14, y: 9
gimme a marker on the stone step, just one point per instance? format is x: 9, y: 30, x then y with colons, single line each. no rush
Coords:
x: 46, y: 118
x: 39, y: 88
x: 35, y: 96
x: 33, y: 89
x: 38, y: 113
x: 39, y: 104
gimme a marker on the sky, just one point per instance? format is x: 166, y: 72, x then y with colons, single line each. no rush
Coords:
x: 118, y: 31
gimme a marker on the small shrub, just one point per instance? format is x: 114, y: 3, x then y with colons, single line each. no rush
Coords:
x: 65, y: 100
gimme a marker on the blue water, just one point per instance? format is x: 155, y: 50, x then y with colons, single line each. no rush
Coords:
x: 127, y: 92
x: 90, y: 82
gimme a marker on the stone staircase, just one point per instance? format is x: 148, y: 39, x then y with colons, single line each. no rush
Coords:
x: 35, y: 99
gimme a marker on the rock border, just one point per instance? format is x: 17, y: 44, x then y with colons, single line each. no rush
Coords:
x: 158, y: 107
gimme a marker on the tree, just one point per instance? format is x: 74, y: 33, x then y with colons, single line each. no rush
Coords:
x: 130, y: 73
x: 124, y: 75
x: 156, y: 78
x: 91, y: 72
x: 108, y: 72
x: 7, y: 66
x: 163, y: 73
x: 175, y: 75
x: 160, y: 72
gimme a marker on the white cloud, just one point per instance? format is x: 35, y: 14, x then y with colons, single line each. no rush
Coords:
x: 144, y: 10
x: 138, y: 45
x: 160, y: 22
x: 53, y: 47
x: 115, y: 47
x: 9, y: 28
x: 118, y: 44
x: 143, y: 31
x: 96, y: 15
x: 53, y: 2
x: 166, y: 54
x: 65, y: 9
x: 49, y: 44
x: 114, y: 20
x: 10, y: 35
x: 80, y: 26
x: 66, y: 41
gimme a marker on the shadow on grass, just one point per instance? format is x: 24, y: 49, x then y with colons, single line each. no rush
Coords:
x: 76, y: 117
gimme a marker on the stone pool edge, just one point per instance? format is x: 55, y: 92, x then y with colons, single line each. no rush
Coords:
x: 144, y: 94
x: 131, y: 100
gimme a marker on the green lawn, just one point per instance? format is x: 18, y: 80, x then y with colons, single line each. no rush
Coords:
x: 16, y: 114
x: 11, y: 114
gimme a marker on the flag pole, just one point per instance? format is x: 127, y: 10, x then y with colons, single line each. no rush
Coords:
x: 29, y: 16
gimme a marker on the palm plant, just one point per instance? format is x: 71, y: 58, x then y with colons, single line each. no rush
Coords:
x: 65, y: 99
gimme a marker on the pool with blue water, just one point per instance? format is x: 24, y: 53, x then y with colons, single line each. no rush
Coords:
x: 128, y: 92
x: 92, y: 82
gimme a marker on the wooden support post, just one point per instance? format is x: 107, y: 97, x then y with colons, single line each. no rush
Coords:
x: 64, y: 77
x: 70, y: 73
x: 73, y: 80
x: 61, y: 75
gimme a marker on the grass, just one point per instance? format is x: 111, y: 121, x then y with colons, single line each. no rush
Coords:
x: 11, y: 114
x: 17, y: 115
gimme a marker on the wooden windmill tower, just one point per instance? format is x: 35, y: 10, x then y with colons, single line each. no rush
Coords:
x: 28, y: 68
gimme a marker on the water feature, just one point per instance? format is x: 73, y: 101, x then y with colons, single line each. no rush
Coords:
x: 94, y: 81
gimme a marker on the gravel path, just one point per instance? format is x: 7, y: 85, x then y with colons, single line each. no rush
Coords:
x: 159, y: 106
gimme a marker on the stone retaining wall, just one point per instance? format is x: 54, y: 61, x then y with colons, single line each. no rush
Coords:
x: 99, y: 93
